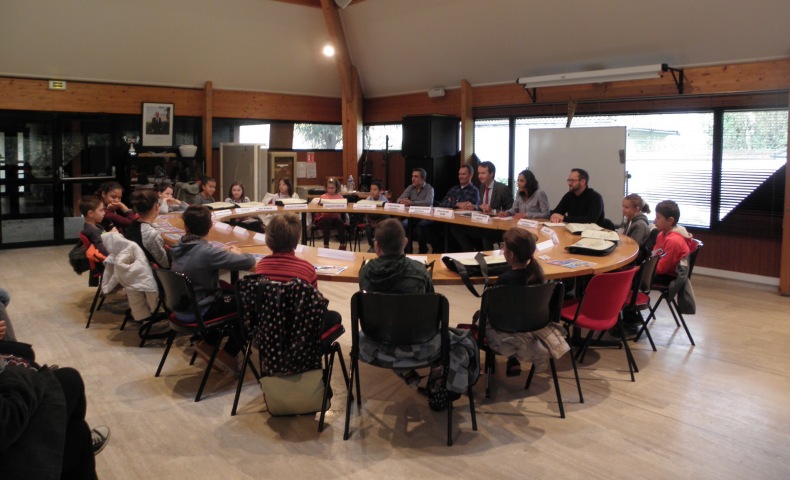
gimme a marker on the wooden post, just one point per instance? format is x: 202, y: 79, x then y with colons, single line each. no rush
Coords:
x: 208, y: 114
x: 467, y: 122
x: 784, y: 263
x: 351, y: 90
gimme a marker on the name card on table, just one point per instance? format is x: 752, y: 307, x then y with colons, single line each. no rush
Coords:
x: 544, y: 245
x: 267, y: 208
x: 222, y: 226
x: 295, y: 206
x: 551, y: 233
x: 395, y: 207
x: 221, y: 213
x: 330, y: 206
x: 338, y: 254
x: 299, y: 248
x: 259, y: 237
x: 240, y: 231
x: 364, y: 206
x: 256, y: 209
x: 481, y: 218
x: 444, y: 212
x: 421, y: 210
x: 527, y: 223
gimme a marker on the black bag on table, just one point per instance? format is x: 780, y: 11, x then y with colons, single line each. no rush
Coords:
x: 481, y: 269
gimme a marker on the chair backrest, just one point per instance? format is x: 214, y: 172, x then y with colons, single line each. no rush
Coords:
x: 644, y: 278
x: 399, y: 319
x: 521, y: 308
x: 606, y: 293
x: 284, y: 320
x: 87, y: 244
x: 176, y: 293
x: 693, y: 256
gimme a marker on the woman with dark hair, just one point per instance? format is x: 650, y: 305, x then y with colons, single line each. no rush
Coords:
x: 531, y: 201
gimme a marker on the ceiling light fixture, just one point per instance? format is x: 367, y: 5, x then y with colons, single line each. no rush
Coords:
x: 600, y: 76
x: 329, y: 51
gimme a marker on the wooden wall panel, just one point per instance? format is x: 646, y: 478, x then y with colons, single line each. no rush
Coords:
x: 739, y: 253
x: 328, y: 164
x: 392, y: 109
x: 32, y: 94
x: 272, y: 106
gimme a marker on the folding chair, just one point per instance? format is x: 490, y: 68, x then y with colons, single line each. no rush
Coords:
x: 94, y: 280
x: 177, y: 295
x: 667, y: 292
x: 400, y: 319
x: 639, y: 299
x: 600, y: 307
x: 522, y: 309
x: 282, y: 351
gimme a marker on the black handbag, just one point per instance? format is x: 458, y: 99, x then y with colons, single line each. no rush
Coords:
x: 481, y: 269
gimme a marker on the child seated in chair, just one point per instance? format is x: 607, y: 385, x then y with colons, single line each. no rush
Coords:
x: 673, y: 241
x: 282, y: 237
x: 201, y: 262
x: 393, y: 272
x: 327, y: 221
x: 372, y: 220
x: 92, y: 209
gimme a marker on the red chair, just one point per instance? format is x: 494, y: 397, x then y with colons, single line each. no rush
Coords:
x: 599, y: 309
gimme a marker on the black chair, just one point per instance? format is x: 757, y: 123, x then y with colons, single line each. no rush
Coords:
x: 639, y: 299
x: 94, y: 280
x: 664, y: 291
x: 400, y: 319
x: 522, y: 309
x: 250, y: 298
x: 177, y: 295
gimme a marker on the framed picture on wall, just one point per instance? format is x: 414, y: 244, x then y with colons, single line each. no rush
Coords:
x: 158, y: 124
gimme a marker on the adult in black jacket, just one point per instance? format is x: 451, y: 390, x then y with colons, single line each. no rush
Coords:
x: 581, y: 204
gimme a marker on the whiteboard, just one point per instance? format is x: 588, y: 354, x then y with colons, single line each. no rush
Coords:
x: 553, y: 152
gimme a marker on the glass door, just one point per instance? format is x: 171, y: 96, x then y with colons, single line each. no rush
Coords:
x: 28, y: 196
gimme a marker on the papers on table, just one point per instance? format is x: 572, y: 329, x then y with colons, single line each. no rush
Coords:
x: 220, y: 205
x: 601, y: 235
x: 329, y: 269
x: 338, y: 254
x: 577, y: 228
x: 571, y: 263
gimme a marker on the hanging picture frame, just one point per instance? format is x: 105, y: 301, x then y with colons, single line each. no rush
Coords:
x: 158, y: 124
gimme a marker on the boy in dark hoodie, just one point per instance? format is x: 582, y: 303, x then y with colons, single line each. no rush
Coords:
x: 201, y: 262
x: 393, y: 272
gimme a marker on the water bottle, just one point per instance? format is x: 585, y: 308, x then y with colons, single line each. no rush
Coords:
x: 350, y: 183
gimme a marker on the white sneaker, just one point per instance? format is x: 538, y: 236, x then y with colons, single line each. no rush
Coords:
x: 100, y: 436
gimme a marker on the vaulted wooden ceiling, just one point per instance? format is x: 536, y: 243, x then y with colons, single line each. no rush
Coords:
x: 398, y: 46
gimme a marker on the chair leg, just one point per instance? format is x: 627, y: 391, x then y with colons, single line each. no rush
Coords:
x: 489, y: 363
x: 583, y: 351
x: 672, y: 310
x: 471, y: 396
x: 247, y: 351
x: 171, y: 336
x: 655, y: 307
x: 327, y: 382
x: 450, y: 424
x: 126, y: 316
x: 683, y: 321
x: 208, y: 369
x: 529, y: 377
x: 556, y: 385
x: 349, y: 400
x: 629, y: 358
x: 346, y: 378
x: 576, y: 375
x: 94, y: 306
x: 644, y: 328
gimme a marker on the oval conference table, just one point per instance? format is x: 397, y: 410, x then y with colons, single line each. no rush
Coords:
x: 248, y: 242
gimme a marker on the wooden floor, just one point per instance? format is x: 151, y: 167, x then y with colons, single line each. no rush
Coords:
x: 717, y: 410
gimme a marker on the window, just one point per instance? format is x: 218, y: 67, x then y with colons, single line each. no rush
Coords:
x: 754, y: 150
x: 376, y: 137
x: 315, y: 136
x: 255, y: 134
x: 492, y: 144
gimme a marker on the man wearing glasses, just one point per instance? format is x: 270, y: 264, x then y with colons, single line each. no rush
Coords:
x: 581, y: 204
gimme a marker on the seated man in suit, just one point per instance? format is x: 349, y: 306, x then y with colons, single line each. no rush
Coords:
x: 494, y: 197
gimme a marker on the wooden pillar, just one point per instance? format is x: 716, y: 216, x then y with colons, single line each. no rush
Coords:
x: 467, y: 122
x: 208, y: 115
x: 351, y: 90
x: 784, y: 263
